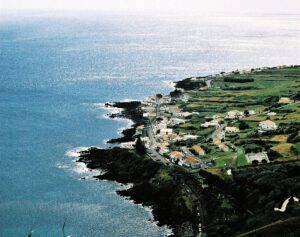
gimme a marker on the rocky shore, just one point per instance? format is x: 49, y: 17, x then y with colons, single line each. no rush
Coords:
x: 160, y: 187
x: 129, y: 110
x: 199, y: 203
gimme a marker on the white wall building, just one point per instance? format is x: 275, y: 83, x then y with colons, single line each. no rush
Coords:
x: 268, y: 125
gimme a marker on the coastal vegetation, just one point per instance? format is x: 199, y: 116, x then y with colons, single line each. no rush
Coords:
x: 218, y: 157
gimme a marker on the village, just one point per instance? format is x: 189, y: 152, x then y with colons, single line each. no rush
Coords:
x: 166, y: 143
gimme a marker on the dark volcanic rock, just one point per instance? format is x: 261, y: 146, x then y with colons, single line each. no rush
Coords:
x: 155, y: 185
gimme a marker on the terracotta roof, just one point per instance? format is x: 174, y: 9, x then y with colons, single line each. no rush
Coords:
x: 191, y: 159
x: 197, y: 148
x: 268, y: 122
x: 176, y: 154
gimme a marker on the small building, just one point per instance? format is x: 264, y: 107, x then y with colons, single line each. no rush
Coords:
x: 251, y: 112
x: 198, y: 149
x: 261, y: 157
x: 166, y: 131
x: 285, y: 100
x: 191, y: 162
x: 128, y: 145
x: 271, y: 114
x: 232, y: 129
x: 165, y: 100
x: 267, y: 125
x: 234, y: 114
x: 212, y: 123
x: 176, y: 156
x: 182, y: 114
x: 188, y: 136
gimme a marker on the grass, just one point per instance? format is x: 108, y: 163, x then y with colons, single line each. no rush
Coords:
x: 164, y: 175
x: 241, y: 158
x: 270, y: 84
x: 279, y: 138
x: 283, y: 149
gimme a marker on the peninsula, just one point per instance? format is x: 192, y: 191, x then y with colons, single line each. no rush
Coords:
x: 218, y: 156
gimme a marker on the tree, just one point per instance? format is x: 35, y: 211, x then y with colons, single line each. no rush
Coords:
x: 158, y: 97
x: 246, y: 113
x: 140, y: 147
x: 243, y: 125
x: 255, y: 162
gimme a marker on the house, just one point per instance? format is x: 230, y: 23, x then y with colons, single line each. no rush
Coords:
x: 166, y: 131
x: 234, y: 114
x: 285, y: 100
x: 165, y: 109
x: 259, y: 157
x: 128, y: 145
x: 271, y: 114
x: 184, y: 98
x: 170, y: 137
x: 198, y: 149
x: 223, y: 147
x: 187, y: 137
x: 148, y: 115
x: 251, y: 112
x: 267, y: 125
x: 212, y: 123
x: 182, y: 114
x: 165, y: 100
x: 151, y: 98
x: 192, y: 162
x: 176, y: 156
x: 232, y: 129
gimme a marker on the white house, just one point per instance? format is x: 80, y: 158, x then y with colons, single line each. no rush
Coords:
x: 128, y: 145
x: 165, y: 100
x: 251, y: 112
x: 166, y: 131
x: 234, y: 114
x: 212, y: 123
x: 268, y: 125
x: 182, y: 114
x: 285, y: 100
x: 271, y: 114
x: 260, y: 157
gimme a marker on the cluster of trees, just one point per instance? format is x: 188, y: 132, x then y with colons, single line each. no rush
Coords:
x: 238, y: 80
x: 188, y: 84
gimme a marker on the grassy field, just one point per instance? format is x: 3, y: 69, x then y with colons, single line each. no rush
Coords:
x: 259, y: 91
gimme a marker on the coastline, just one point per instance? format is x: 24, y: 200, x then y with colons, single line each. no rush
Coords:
x: 178, y: 199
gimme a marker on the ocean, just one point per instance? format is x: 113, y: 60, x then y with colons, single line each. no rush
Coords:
x: 56, y: 72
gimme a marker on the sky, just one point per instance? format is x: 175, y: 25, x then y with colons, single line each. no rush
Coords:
x: 154, y: 5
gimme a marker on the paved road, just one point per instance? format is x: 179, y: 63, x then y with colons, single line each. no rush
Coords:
x: 151, y: 151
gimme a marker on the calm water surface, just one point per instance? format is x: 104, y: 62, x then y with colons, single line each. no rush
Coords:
x: 56, y: 71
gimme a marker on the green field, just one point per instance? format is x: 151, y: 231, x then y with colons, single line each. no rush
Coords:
x: 259, y: 91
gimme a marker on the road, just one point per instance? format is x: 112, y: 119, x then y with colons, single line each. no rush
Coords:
x: 152, y: 149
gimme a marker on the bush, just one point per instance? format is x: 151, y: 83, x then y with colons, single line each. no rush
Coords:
x: 238, y: 80
x: 243, y: 125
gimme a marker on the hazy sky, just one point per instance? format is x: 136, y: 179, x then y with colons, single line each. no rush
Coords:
x: 164, y: 5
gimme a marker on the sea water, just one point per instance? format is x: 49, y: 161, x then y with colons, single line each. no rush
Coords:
x: 57, y: 70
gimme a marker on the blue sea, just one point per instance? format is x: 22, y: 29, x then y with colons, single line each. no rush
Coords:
x: 57, y: 70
